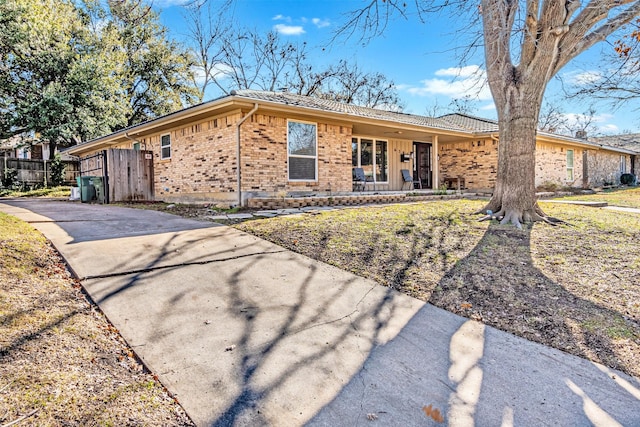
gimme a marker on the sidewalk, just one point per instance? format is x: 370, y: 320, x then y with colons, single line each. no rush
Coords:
x: 244, y: 332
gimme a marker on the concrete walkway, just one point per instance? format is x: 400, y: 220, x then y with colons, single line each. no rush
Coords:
x: 246, y: 333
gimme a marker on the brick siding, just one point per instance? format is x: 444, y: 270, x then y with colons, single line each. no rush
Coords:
x: 475, y: 161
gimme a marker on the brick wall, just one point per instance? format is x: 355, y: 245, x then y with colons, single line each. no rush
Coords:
x: 551, y: 165
x: 476, y: 161
x: 202, y: 166
x: 604, y: 167
x: 264, y: 157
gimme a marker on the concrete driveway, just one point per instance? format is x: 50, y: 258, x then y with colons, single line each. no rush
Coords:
x: 244, y: 332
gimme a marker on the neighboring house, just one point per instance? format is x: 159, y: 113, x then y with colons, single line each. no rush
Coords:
x: 20, y: 147
x: 603, y: 167
x: 297, y: 145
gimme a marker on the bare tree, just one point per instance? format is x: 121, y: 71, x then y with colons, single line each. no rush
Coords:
x: 621, y: 83
x: 526, y: 43
x: 205, y: 27
x: 347, y: 82
x: 231, y: 58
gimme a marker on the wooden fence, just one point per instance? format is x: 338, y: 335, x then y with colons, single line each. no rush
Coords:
x: 127, y: 174
x: 37, y: 172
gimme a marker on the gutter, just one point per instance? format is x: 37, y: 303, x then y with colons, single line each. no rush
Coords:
x: 249, y: 114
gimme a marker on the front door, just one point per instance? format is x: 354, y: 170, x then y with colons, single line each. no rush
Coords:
x: 422, y: 170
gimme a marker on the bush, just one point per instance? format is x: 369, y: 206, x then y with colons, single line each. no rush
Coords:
x: 10, y: 179
x: 57, y: 171
x: 627, y: 179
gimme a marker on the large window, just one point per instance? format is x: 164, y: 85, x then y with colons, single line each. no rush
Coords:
x: 569, y: 165
x: 303, y: 151
x: 372, y: 156
x: 165, y: 146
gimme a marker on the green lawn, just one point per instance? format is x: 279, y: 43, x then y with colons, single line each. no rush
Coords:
x: 627, y: 197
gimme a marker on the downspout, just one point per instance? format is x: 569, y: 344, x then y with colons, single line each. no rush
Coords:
x: 249, y: 114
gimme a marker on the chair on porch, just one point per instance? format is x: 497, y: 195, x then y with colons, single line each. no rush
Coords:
x: 360, y: 179
x: 407, y: 178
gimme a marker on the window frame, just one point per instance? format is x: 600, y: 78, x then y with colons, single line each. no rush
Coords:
x: 623, y: 164
x: 374, y: 163
x: 302, y: 156
x: 570, y: 177
x: 162, y: 147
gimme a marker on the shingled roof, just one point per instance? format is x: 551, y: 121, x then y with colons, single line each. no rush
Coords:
x: 462, y: 123
x: 353, y: 110
x: 627, y: 141
x: 470, y: 123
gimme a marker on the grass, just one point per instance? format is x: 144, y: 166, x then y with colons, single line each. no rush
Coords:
x: 62, y: 191
x: 625, y: 197
x: 59, y: 356
x: 573, y: 287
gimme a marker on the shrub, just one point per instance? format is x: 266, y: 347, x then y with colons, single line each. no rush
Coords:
x: 57, y: 171
x: 627, y: 179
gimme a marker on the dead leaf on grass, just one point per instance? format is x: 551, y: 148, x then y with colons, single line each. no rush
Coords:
x: 433, y: 413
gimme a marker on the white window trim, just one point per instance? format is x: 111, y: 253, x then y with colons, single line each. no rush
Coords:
x: 571, y: 168
x: 623, y: 164
x: 162, y: 157
x: 374, y: 139
x: 289, y: 155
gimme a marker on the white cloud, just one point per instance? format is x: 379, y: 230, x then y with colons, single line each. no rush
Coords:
x: 583, y: 78
x: 320, y: 23
x: 469, y: 81
x: 467, y: 71
x: 289, y: 30
x: 220, y: 71
x: 280, y: 17
x: 169, y: 3
x: 609, y: 129
x: 488, y: 107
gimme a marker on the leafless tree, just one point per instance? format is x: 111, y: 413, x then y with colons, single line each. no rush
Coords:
x: 621, y: 83
x: 233, y: 58
x: 526, y: 43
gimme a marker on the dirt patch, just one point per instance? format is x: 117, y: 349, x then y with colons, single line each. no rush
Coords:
x: 61, y: 361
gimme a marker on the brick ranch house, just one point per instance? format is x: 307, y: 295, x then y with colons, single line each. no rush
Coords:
x: 292, y: 145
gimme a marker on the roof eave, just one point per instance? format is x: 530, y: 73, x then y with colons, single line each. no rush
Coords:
x: 136, y: 130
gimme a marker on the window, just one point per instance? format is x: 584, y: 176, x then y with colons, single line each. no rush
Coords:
x: 165, y: 146
x: 381, y: 161
x: 302, y: 147
x: 372, y: 156
x: 569, y: 165
x: 623, y: 164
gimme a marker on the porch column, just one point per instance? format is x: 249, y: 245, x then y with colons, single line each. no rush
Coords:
x: 435, y: 162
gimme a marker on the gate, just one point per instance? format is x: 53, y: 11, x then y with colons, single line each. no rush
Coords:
x: 127, y: 174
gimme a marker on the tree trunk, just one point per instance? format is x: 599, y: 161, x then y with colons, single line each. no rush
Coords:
x: 514, y: 196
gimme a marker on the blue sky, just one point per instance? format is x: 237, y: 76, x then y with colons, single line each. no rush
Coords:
x: 418, y: 56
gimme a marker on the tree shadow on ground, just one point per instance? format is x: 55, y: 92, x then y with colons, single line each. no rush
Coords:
x: 509, y: 292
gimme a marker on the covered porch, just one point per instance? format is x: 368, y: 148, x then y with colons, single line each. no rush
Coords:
x: 401, y: 157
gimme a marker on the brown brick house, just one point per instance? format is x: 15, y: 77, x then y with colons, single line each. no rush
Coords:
x: 296, y: 145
